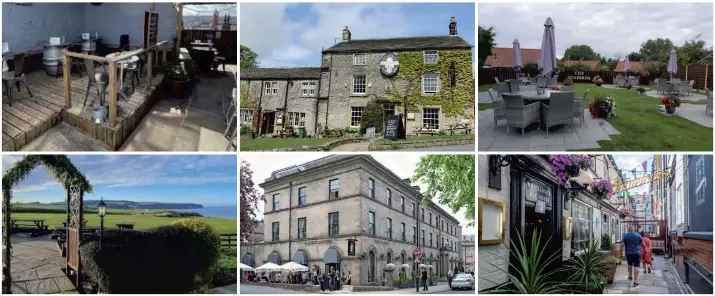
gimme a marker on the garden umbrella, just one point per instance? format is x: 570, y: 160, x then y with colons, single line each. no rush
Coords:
x: 269, y: 267
x: 245, y: 267
x: 627, y: 65
x: 547, y: 56
x: 672, y: 64
x: 423, y: 266
x: 517, y: 56
x: 292, y: 266
x: 405, y: 266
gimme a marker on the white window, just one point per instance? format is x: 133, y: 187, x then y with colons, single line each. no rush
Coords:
x: 355, y: 116
x: 308, y: 89
x: 581, y: 225
x: 430, y: 83
x: 359, y: 84
x: 246, y: 116
x: 271, y: 87
x: 359, y: 59
x: 430, y: 118
x: 296, y: 119
x: 431, y: 56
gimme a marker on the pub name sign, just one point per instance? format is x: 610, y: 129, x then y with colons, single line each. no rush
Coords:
x: 635, y: 182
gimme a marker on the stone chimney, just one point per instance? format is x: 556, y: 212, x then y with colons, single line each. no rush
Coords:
x: 452, y: 27
x: 346, y: 34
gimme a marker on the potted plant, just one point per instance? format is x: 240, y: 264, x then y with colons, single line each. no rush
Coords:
x: 602, y: 188
x: 628, y: 85
x: 670, y: 102
x: 568, y: 82
x: 597, y: 80
x: 177, y: 74
x: 640, y: 90
x: 602, y: 107
x: 587, y: 270
x: 565, y: 166
x: 363, y: 255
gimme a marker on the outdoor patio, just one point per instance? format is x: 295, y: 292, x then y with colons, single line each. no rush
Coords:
x: 37, y: 267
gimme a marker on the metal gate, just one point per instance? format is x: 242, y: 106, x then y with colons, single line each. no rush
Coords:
x: 75, y: 218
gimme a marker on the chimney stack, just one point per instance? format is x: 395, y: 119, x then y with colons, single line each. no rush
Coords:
x: 346, y: 34
x: 452, y: 27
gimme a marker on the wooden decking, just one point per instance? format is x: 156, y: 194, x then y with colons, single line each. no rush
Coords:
x: 29, y: 117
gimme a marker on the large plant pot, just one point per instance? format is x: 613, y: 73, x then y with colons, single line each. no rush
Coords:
x: 175, y: 87
x: 670, y: 109
x: 603, y: 112
x: 610, y: 265
x: 618, y: 251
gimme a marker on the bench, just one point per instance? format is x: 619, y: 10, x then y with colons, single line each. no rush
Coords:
x: 425, y: 131
x: 657, y: 245
x: 459, y: 126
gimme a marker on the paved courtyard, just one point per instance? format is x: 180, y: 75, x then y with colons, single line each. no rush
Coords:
x: 692, y: 112
x: 568, y: 137
x: 660, y: 281
x: 37, y: 267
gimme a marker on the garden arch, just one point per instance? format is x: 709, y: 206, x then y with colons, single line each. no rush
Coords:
x: 74, y: 183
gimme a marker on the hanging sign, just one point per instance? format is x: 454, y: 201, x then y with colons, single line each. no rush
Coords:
x: 538, y: 192
x: 389, y: 64
x: 642, y: 180
x: 351, y: 247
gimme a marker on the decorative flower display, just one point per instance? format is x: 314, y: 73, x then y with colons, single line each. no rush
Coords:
x: 627, y: 212
x: 568, y: 82
x: 602, y: 107
x: 669, y: 101
x: 555, y: 87
x: 564, y: 166
x: 628, y: 85
x: 602, y: 189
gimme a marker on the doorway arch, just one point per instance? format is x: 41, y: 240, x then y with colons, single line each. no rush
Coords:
x: 248, y: 260
x: 274, y: 257
x: 332, y: 258
x: 301, y: 257
x: 74, y: 183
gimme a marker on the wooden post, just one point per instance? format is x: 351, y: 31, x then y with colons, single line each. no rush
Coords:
x: 113, y: 93
x: 149, y: 72
x: 179, y: 28
x: 66, y: 79
x: 705, y: 85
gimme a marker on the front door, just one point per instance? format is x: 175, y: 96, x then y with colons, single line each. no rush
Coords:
x: 389, y: 111
x: 269, y: 120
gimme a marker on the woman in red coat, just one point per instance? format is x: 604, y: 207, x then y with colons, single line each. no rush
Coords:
x: 646, y: 253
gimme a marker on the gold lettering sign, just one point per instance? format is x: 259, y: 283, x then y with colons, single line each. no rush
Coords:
x: 642, y: 180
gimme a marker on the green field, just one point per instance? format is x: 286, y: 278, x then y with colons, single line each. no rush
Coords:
x: 275, y: 143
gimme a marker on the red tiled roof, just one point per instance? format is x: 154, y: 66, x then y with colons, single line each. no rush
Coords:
x: 590, y: 64
x: 504, y: 56
x: 635, y: 66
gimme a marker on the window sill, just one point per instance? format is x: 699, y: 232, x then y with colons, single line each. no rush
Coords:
x: 358, y: 95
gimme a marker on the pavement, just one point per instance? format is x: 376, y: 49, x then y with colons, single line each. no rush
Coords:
x: 230, y: 289
x: 692, y: 96
x: 468, y: 147
x: 692, y: 112
x: 352, y: 147
x: 569, y: 137
x: 37, y: 266
x: 64, y: 137
x: 441, y: 288
x: 661, y: 280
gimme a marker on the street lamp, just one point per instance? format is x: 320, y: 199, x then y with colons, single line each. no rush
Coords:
x: 102, y: 210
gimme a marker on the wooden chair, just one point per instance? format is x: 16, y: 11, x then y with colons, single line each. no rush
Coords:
x: 16, y: 77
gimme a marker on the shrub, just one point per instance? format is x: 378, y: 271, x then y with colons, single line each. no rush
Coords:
x: 245, y: 129
x: 605, y: 242
x: 531, y: 67
x: 175, y: 259
x: 372, y: 116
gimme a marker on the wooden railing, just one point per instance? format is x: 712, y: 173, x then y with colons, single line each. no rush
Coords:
x: 229, y: 240
x: 112, y: 62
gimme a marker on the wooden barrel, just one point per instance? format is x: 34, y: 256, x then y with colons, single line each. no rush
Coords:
x: 89, y: 45
x: 51, y: 58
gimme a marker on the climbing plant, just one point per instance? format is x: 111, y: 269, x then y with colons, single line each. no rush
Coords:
x: 245, y: 100
x: 455, y: 100
x: 60, y: 167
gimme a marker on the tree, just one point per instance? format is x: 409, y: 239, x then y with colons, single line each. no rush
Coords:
x: 486, y: 43
x: 695, y: 51
x: 656, y: 49
x: 610, y: 63
x: 249, y: 59
x: 581, y: 53
x: 249, y: 201
x: 450, y: 178
x: 635, y: 56
x: 372, y: 116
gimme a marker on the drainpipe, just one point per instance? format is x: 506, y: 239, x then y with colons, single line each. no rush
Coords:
x: 259, y: 110
x: 330, y: 82
x: 285, y: 104
x: 290, y: 220
x: 317, y: 103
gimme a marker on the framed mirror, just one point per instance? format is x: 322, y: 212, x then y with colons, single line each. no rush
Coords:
x: 492, y: 222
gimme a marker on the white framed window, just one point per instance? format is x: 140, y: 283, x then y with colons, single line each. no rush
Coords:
x: 296, y: 119
x: 307, y: 89
x: 581, y: 225
x: 430, y: 83
x: 246, y: 116
x: 271, y: 87
x: 430, y: 118
x: 431, y: 56
x: 359, y: 59
x: 356, y: 116
x: 359, y: 84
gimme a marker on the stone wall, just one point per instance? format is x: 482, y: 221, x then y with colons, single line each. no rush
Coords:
x: 493, y: 259
x: 296, y: 102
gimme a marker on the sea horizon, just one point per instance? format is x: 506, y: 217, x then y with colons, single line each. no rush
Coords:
x: 214, y: 211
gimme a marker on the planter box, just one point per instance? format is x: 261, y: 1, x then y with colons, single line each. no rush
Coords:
x: 610, y: 265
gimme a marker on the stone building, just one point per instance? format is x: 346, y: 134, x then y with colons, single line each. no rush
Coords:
x: 351, y: 213
x: 469, y: 252
x: 434, y: 73
x: 522, y: 192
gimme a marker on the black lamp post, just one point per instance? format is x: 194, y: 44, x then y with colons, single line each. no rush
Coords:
x: 102, y: 210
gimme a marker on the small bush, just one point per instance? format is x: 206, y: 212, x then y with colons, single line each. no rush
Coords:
x: 605, y: 242
x: 245, y: 129
x: 372, y: 116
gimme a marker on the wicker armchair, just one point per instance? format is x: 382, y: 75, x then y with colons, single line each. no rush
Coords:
x: 559, y: 110
x: 683, y: 88
x: 541, y: 82
x: 496, y: 79
x: 709, y: 105
x: 502, y: 87
x: 519, y: 115
x: 566, y: 88
x: 579, y: 105
x: 663, y: 86
x: 551, y: 81
x: 499, y: 111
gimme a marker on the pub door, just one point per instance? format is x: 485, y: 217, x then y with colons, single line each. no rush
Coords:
x: 332, y: 265
x: 269, y: 120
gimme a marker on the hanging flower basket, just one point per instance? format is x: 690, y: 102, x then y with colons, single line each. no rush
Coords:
x: 363, y: 255
x: 603, y: 189
x: 565, y: 166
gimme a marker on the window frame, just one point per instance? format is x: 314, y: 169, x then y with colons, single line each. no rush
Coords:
x: 371, y: 224
x: 355, y: 59
x: 403, y: 229
x: 436, y: 83
x: 296, y: 119
x: 275, y: 231
x: 246, y: 115
x: 430, y: 53
x: 388, y: 197
x: 304, y: 228
x: 276, y: 202
x: 431, y: 121
x: 371, y: 187
x: 270, y: 87
x: 307, y: 89
x: 353, y: 111
x: 337, y: 185
x: 302, y: 198
x: 331, y: 225
x: 389, y: 228
x: 357, y: 85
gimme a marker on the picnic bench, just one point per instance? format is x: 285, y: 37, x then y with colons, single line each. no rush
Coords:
x: 286, y: 133
x: 36, y: 226
x: 423, y: 130
x: 125, y: 225
x: 459, y: 126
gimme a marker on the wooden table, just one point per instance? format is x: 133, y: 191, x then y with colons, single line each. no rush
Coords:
x: 204, y: 56
x: 426, y: 131
x: 458, y: 126
x: 125, y: 225
x: 39, y: 223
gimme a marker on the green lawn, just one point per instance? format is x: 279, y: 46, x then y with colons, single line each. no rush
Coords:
x: 644, y: 127
x: 485, y: 106
x: 142, y: 221
x: 274, y: 143
x: 422, y: 138
x: 486, y: 87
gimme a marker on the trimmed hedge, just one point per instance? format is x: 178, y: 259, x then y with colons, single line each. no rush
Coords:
x: 175, y: 259
x: 372, y: 116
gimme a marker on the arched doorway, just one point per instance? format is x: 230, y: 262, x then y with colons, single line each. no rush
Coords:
x: 75, y: 185
x: 331, y: 258
x: 248, y: 260
x: 275, y: 258
x: 371, y: 267
x: 301, y: 257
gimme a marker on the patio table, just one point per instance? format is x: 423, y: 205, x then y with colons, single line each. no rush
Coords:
x: 531, y: 96
x: 122, y: 64
x: 204, y: 56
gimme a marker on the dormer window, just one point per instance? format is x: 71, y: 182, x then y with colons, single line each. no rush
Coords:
x: 360, y: 59
x: 431, y: 56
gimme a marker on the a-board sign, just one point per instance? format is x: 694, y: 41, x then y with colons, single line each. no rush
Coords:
x: 394, y: 127
x: 151, y: 28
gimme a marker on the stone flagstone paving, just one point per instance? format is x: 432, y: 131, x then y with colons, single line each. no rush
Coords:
x: 37, y: 267
x: 660, y: 281
x: 568, y: 137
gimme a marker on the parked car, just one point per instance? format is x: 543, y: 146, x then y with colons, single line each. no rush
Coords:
x: 463, y: 281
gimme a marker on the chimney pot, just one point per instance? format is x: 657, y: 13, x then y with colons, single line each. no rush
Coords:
x: 346, y: 34
x: 453, y: 27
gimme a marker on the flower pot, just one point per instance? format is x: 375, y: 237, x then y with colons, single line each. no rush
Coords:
x: 599, y: 84
x: 175, y: 87
x: 670, y: 109
x: 575, y: 171
x: 628, y: 87
x: 603, y: 112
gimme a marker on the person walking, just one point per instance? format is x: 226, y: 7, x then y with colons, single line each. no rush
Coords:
x: 348, y: 281
x: 632, y: 241
x: 450, y: 274
x: 647, y: 253
x: 424, y: 280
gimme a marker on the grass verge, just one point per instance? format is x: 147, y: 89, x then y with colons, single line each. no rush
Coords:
x: 276, y: 143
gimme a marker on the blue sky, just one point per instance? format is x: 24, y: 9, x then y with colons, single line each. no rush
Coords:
x: 634, y: 161
x: 293, y: 34
x: 203, y: 179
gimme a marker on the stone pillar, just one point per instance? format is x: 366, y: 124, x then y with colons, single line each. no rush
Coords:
x: 388, y: 269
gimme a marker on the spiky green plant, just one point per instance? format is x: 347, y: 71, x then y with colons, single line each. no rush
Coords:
x: 532, y: 273
x: 588, y: 269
